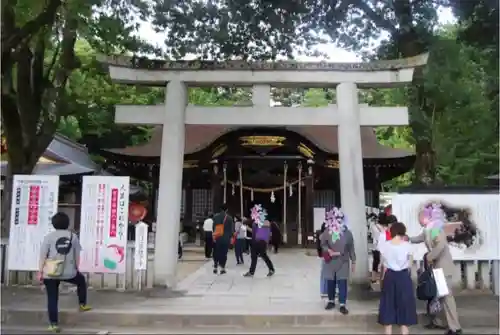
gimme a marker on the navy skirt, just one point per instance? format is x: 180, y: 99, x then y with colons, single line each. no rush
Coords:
x: 397, y: 302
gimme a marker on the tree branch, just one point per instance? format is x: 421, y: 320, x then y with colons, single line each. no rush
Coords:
x: 53, y: 61
x: 25, y: 103
x: 26, y: 32
x: 38, y: 75
x: 377, y: 19
x: 56, y: 103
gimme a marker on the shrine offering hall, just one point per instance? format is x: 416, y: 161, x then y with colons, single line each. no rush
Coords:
x: 289, y: 170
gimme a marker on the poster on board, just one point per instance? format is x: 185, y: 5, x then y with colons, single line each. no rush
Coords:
x: 480, y: 211
x: 34, y: 202
x: 104, y: 224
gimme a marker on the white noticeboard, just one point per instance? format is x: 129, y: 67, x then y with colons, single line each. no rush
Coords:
x: 318, y: 217
x: 103, y: 224
x: 34, y: 202
x: 483, y: 212
x: 141, y: 246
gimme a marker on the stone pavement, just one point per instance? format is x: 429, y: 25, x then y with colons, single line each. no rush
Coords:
x: 202, y: 299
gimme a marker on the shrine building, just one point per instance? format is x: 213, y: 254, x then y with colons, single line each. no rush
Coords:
x: 289, y: 159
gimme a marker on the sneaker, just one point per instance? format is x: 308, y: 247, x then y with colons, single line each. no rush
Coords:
x: 84, y: 308
x: 330, y: 305
x: 270, y: 273
x: 223, y: 271
x: 248, y: 274
x: 343, y: 310
x: 215, y: 271
x: 54, y: 329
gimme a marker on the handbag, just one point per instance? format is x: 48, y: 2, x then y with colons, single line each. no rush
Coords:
x: 327, y: 257
x: 55, y: 267
x: 426, y: 285
x: 442, y: 289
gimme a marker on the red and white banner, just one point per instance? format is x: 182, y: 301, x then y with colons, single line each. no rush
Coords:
x: 34, y: 202
x: 104, y: 224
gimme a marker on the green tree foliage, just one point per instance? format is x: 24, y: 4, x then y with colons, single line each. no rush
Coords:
x: 94, y: 97
x: 38, y: 59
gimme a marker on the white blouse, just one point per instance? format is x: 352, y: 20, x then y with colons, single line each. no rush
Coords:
x: 396, y: 257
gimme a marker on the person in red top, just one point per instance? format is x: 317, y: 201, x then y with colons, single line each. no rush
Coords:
x: 389, y: 221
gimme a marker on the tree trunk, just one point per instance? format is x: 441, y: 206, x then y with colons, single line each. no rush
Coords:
x: 411, y: 42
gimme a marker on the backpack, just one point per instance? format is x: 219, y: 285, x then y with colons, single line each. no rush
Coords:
x: 426, y: 285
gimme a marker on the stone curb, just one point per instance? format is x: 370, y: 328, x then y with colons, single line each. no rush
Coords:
x: 105, y: 319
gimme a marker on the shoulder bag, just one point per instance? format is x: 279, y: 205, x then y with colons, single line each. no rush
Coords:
x: 219, y: 229
x: 55, y: 267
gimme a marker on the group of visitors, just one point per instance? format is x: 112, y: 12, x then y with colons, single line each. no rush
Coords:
x: 60, y: 259
x: 393, y: 256
x: 249, y: 236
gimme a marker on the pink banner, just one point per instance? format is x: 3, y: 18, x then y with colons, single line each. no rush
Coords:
x: 113, y: 212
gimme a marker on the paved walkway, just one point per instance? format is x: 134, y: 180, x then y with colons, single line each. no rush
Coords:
x: 288, y: 299
x: 294, y: 289
x: 296, y: 278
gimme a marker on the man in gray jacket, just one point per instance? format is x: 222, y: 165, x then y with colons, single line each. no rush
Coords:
x: 439, y: 256
x: 336, y: 271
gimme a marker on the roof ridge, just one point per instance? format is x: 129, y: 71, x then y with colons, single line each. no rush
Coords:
x: 66, y: 140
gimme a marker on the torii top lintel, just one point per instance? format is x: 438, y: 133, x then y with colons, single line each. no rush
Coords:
x: 384, y: 73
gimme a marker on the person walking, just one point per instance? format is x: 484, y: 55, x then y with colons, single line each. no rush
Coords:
x: 258, y: 249
x: 208, y: 227
x: 275, y: 236
x: 261, y: 232
x: 337, y: 244
x: 223, y: 229
x: 59, y: 261
x: 433, y: 218
x: 239, y: 245
x: 397, y: 305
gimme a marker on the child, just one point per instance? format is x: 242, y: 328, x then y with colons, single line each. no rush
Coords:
x: 179, y: 248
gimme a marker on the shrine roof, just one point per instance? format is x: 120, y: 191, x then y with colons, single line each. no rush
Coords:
x: 238, y: 65
x: 199, y: 137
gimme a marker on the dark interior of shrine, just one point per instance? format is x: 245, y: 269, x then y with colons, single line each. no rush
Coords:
x: 280, y: 168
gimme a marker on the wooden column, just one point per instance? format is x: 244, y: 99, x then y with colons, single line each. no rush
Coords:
x: 308, y: 227
x: 155, y: 182
x: 78, y: 208
x: 215, y: 180
x: 376, y: 189
x: 188, y: 205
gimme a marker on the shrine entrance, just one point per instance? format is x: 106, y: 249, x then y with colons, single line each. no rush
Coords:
x: 346, y: 116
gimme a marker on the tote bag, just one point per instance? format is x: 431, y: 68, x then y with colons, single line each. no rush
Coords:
x: 441, y: 285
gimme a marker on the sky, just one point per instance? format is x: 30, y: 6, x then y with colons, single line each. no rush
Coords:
x: 335, y: 54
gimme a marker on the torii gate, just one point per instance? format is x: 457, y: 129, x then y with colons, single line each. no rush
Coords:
x: 347, y: 114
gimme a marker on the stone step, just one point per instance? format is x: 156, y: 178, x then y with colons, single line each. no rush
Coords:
x: 334, y: 329
x: 104, y: 319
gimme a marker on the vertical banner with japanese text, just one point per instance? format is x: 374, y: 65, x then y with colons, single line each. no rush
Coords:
x: 104, y: 223
x: 141, y: 246
x: 34, y: 202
